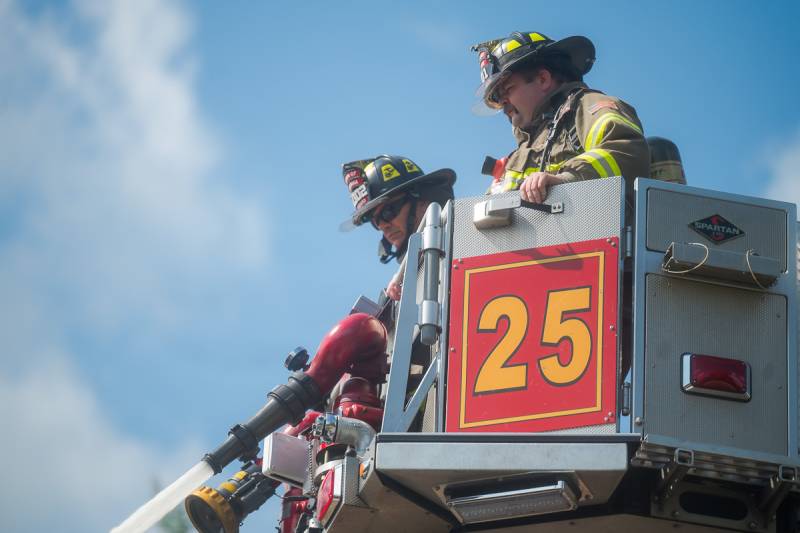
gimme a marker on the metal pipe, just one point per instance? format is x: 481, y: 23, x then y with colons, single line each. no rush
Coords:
x: 343, y: 430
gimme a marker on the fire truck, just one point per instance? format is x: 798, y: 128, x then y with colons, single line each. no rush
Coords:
x: 612, y: 360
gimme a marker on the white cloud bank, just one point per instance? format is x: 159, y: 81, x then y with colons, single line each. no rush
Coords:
x: 68, y: 469
x: 110, y: 214
x: 109, y: 164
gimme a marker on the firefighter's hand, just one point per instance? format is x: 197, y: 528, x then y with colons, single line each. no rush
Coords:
x: 534, y: 188
x: 394, y: 290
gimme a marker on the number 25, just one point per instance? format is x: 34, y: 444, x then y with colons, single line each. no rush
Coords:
x: 495, y: 376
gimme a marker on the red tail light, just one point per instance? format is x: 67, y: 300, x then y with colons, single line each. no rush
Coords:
x: 716, y: 376
x: 329, y: 494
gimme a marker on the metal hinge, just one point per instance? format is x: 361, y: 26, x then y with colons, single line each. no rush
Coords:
x: 626, y: 399
x: 628, y: 241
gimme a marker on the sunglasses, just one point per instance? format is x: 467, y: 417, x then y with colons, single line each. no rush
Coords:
x: 388, y: 213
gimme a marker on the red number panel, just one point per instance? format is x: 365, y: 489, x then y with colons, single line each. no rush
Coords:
x: 533, y: 339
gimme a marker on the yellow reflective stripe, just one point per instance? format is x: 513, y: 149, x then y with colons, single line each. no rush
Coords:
x: 608, y: 158
x: 598, y: 129
x: 537, y: 37
x: 511, y: 45
x: 514, y: 178
x: 596, y: 163
x: 530, y: 170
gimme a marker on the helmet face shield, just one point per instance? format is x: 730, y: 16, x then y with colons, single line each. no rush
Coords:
x: 486, y: 101
x: 490, y: 74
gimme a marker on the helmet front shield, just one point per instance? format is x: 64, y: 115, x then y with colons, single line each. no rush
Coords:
x: 490, y: 76
x: 486, y: 102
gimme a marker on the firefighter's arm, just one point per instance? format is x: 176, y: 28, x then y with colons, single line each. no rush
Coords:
x: 612, y: 139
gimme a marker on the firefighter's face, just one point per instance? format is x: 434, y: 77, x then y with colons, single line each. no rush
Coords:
x: 521, y: 98
x: 394, y: 225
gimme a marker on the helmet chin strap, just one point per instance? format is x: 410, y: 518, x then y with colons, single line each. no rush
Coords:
x: 385, y: 250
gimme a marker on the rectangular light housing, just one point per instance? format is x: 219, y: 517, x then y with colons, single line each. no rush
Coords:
x: 485, y: 507
x: 285, y: 458
x: 715, y: 376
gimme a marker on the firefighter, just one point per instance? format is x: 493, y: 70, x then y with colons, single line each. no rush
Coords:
x: 392, y: 193
x: 564, y: 130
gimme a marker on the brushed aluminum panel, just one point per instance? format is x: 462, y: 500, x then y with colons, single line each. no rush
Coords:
x: 609, y: 524
x: 592, y: 210
x: 750, y: 326
x: 764, y: 228
x: 427, y: 467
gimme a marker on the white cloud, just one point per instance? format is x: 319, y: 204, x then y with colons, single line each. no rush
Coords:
x: 784, y: 165
x: 108, y: 165
x: 71, y: 470
x: 111, y: 217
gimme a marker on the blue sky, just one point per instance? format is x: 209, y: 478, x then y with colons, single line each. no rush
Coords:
x: 170, y: 194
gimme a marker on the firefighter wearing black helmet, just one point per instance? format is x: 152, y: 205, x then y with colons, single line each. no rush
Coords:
x: 564, y: 130
x: 392, y: 193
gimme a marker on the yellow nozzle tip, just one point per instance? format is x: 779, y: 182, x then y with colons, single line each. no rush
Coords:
x: 209, y: 511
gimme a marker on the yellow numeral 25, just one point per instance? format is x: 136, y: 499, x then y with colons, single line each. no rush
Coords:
x: 496, y: 376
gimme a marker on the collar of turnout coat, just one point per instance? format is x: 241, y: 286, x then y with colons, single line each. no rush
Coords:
x: 545, y: 111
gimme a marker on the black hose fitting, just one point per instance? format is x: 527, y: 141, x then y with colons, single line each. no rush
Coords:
x: 286, y: 404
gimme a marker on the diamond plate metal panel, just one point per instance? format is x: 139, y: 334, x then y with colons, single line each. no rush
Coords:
x: 602, y: 429
x: 669, y: 214
x: 750, y: 326
x: 592, y: 210
x: 429, y: 412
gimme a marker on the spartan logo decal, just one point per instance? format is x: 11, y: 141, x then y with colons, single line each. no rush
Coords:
x: 716, y: 229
